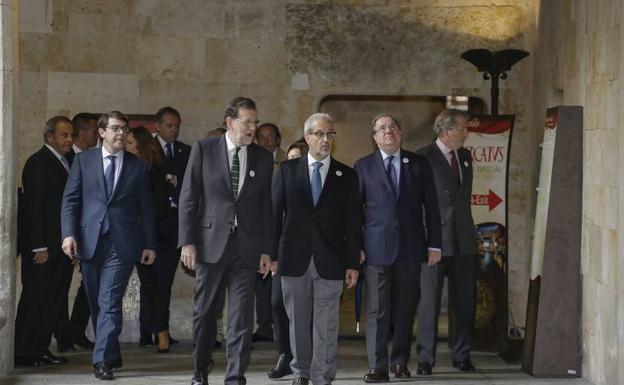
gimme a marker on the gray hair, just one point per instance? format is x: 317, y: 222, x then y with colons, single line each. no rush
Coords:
x: 311, y: 121
x: 51, y: 124
x: 447, y: 120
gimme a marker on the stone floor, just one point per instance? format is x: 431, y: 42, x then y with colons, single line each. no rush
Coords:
x: 144, y: 366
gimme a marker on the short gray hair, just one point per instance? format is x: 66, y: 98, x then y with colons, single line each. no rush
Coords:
x: 51, y: 124
x: 447, y: 120
x: 312, y: 119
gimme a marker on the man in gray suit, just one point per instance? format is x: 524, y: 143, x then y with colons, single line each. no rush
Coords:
x: 225, y: 232
x: 452, y: 172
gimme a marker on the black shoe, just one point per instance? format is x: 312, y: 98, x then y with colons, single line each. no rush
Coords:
x: 173, y: 341
x: 66, y: 348
x: 30, y: 362
x: 282, y: 367
x: 218, y: 345
x: 400, y: 371
x: 260, y: 338
x: 199, y: 379
x: 376, y: 375
x: 300, y: 381
x: 51, y: 359
x: 424, y: 369
x: 83, y: 342
x: 103, y: 371
x: 146, y: 340
x: 464, y: 366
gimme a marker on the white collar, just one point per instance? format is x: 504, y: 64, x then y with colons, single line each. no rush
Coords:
x: 59, y: 156
x: 443, y: 147
x: 230, y: 145
x: 396, y: 155
x: 312, y: 160
x: 118, y: 154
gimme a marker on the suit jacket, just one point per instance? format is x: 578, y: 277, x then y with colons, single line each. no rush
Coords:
x: 207, y: 206
x: 130, y: 209
x: 43, y: 179
x: 330, y: 231
x: 396, y: 229
x: 458, y: 230
x: 181, y: 152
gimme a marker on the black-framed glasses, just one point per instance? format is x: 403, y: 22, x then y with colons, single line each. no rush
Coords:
x: 248, y: 123
x: 118, y: 129
x: 330, y: 135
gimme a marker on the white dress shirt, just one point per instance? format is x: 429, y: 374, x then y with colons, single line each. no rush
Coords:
x: 118, y: 164
x: 76, y: 149
x: 242, y: 159
x: 447, y: 154
x: 60, y: 157
x: 323, y: 170
x: 163, y: 144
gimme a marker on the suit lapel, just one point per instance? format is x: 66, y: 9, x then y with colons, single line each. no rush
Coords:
x: 223, y: 163
x: 329, y: 181
x: 125, y: 169
x: 251, y: 163
x: 381, y: 169
x: 55, y: 160
x: 405, y: 172
x: 304, y: 180
x: 99, y: 161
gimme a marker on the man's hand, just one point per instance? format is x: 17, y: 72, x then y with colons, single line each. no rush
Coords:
x: 70, y: 247
x: 264, y: 267
x: 148, y: 256
x: 433, y: 257
x: 188, y: 256
x: 362, y: 257
x: 40, y: 257
x: 273, y: 267
x: 351, y: 277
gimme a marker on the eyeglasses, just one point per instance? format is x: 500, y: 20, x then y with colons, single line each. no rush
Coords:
x: 248, y: 123
x: 390, y: 127
x: 118, y: 129
x: 330, y: 135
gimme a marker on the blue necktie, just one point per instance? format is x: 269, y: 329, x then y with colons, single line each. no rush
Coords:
x: 394, y: 183
x: 65, y: 163
x: 317, y: 183
x: 109, y: 176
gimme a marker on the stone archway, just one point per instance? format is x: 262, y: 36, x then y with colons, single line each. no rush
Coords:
x: 8, y: 163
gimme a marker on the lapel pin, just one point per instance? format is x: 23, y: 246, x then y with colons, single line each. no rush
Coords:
x: 405, y: 160
x: 338, y: 173
x: 252, y: 173
x: 465, y: 163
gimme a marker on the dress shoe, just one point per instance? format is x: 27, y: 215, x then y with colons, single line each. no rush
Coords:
x: 376, y: 375
x: 103, y: 371
x: 217, y: 345
x: 66, y: 348
x: 49, y: 358
x: 424, y: 369
x: 464, y: 366
x: 173, y: 341
x: 27, y: 361
x: 146, y: 340
x: 282, y: 367
x: 300, y: 381
x: 199, y: 379
x: 83, y: 342
x: 260, y: 338
x: 400, y: 371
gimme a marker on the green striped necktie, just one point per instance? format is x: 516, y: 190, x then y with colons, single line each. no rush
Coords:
x: 235, y: 172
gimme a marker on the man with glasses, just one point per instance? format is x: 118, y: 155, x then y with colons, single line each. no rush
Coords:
x: 225, y: 232
x: 401, y: 236
x: 107, y: 222
x: 317, y: 212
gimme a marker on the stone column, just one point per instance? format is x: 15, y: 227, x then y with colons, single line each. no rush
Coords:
x: 8, y: 197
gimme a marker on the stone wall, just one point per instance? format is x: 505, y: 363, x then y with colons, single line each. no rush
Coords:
x: 138, y: 55
x: 578, y: 62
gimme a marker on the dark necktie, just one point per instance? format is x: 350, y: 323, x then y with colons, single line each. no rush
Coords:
x: 235, y: 172
x: 455, y: 166
x: 109, y: 176
x: 169, y: 152
x: 392, y: 177
x: 317, y: 183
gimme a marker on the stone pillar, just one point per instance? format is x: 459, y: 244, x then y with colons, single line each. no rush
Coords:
x: 8, y: 164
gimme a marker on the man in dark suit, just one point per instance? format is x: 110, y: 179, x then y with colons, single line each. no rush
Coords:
x: 108, y: 224
x: 452, y: 172
x: 175, y: 155
x: 318, y: 217
x: 399, y: 198
x: 226, y: 235
x: 45, y: 270
x: 85, y: 136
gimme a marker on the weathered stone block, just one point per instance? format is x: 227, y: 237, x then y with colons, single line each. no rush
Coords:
x: 196, y: 18
x: 170, y: 58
